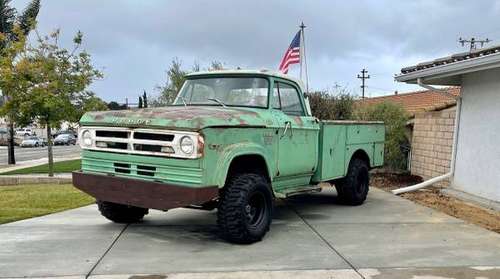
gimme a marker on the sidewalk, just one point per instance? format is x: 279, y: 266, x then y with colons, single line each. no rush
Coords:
x: 34, y: 163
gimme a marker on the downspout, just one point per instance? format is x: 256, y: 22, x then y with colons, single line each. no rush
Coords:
x: 453, y: 150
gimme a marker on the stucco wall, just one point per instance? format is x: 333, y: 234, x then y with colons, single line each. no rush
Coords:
x: 478, y: 150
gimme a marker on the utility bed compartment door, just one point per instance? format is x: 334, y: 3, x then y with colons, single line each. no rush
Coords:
x: 332, y: 148
x: 365, y: 133
x: 340, y: 139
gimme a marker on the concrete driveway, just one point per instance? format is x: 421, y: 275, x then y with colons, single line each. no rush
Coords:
x: 311, y: 237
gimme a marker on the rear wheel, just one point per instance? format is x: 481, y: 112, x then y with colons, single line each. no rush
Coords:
x: 353, y: 188
x: 245, y: 209
x: 121, y: 213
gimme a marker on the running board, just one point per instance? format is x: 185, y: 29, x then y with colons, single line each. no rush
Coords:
x: 285, y: 193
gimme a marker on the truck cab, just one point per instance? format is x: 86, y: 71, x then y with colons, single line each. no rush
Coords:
x: 232, y: 140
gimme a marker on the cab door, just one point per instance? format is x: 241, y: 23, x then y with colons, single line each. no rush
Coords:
x: 297, y: 132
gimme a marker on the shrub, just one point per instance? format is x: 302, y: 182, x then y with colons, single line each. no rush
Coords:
x: 328, y: 107
x: 395, y: 119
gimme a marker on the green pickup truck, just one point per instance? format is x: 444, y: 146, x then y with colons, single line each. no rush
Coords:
x: 232, y: 140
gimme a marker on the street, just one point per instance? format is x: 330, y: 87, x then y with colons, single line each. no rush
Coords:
x: 35, y: 153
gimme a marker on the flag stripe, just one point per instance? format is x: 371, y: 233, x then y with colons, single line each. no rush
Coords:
x: 292, y: 54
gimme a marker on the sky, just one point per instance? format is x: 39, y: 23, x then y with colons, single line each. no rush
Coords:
x: 133, y: 42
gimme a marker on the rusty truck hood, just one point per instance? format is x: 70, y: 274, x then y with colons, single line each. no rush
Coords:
x: 179, y: 117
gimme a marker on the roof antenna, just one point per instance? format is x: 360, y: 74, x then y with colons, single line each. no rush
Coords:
x: 472, y: 42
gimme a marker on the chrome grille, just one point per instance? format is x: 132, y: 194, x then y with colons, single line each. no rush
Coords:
x: 141, y: 141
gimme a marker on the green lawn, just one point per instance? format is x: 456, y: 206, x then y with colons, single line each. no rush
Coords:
x: 63, y: 166
x: 26, y: 201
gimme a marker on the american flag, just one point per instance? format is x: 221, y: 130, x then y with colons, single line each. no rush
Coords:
x: 292, y: 54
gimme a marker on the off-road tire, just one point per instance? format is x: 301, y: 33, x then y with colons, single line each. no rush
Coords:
x: 245, y: 208
x: 121, y: 213
x: 353, y: 188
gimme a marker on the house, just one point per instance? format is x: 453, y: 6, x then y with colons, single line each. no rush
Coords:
x: 475, y: 157
x: 430, y: 129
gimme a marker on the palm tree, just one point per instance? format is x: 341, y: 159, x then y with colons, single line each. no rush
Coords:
x: 26, y: 21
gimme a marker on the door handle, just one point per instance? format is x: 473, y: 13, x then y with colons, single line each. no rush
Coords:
x: 288, y: 125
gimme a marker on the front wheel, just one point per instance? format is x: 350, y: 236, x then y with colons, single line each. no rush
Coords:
x: 121, y: 213
x: 245, y: 210
x: 353, y: 188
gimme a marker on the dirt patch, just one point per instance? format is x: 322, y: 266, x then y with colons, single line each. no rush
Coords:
x: 432, y: 197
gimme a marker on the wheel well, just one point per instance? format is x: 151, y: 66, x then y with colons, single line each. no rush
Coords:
x: 361, y: 154
x: 248, y: 164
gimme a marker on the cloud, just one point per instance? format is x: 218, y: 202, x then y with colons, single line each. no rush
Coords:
x: 134, y: 41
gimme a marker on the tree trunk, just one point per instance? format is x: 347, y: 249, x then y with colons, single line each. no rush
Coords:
x: 49, y: 149
x: 12, y: 157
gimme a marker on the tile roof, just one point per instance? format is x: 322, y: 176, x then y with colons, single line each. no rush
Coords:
x: 418, y: 101
x: 452, y: 59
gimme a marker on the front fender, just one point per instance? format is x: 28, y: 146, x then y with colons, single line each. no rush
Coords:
x: 230, y: 152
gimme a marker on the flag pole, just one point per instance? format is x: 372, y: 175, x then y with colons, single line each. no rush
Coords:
x: 304, y: 62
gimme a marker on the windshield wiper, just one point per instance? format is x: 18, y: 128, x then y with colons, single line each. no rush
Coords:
x: 217, y: 101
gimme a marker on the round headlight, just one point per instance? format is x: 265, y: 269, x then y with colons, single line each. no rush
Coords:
x: 86, y: 138
x: 187, y: 145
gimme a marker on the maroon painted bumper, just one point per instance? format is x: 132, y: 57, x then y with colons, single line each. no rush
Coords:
x: 146, y: 194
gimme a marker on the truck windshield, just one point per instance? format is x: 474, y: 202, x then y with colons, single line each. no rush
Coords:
x: 228, y: 91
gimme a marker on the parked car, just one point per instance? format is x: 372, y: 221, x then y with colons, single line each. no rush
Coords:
x: 32, y: 142
x: 65, y: 139
x: 4, y: 136
x: 24, y: 132
x: 63, y: 132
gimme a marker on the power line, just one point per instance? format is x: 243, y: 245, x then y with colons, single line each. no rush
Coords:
x: 363, y: 77
x: 472, y: 42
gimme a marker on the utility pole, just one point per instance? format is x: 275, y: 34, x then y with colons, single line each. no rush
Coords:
x: 363, y: 77
x: 472, y: 42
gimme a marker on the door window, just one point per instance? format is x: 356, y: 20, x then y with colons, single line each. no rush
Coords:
x: 286, y: 98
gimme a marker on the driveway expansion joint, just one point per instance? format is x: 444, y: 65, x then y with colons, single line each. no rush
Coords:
x: 106, y: 252
x: 325, y: 241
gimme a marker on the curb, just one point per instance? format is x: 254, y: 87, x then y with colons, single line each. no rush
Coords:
x: 7, y: 180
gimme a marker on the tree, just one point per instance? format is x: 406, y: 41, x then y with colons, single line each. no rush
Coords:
x: 26, y: 22
x: 216, y: 66
x: 140, y: 102
x: 87, y: 101
x: 27, y: 19
x: 395, y: 119
x: 326, y: 106
x: 175, y: 80
x: 45, y: 82
x: 145, y: 99
x: 116, y: 106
